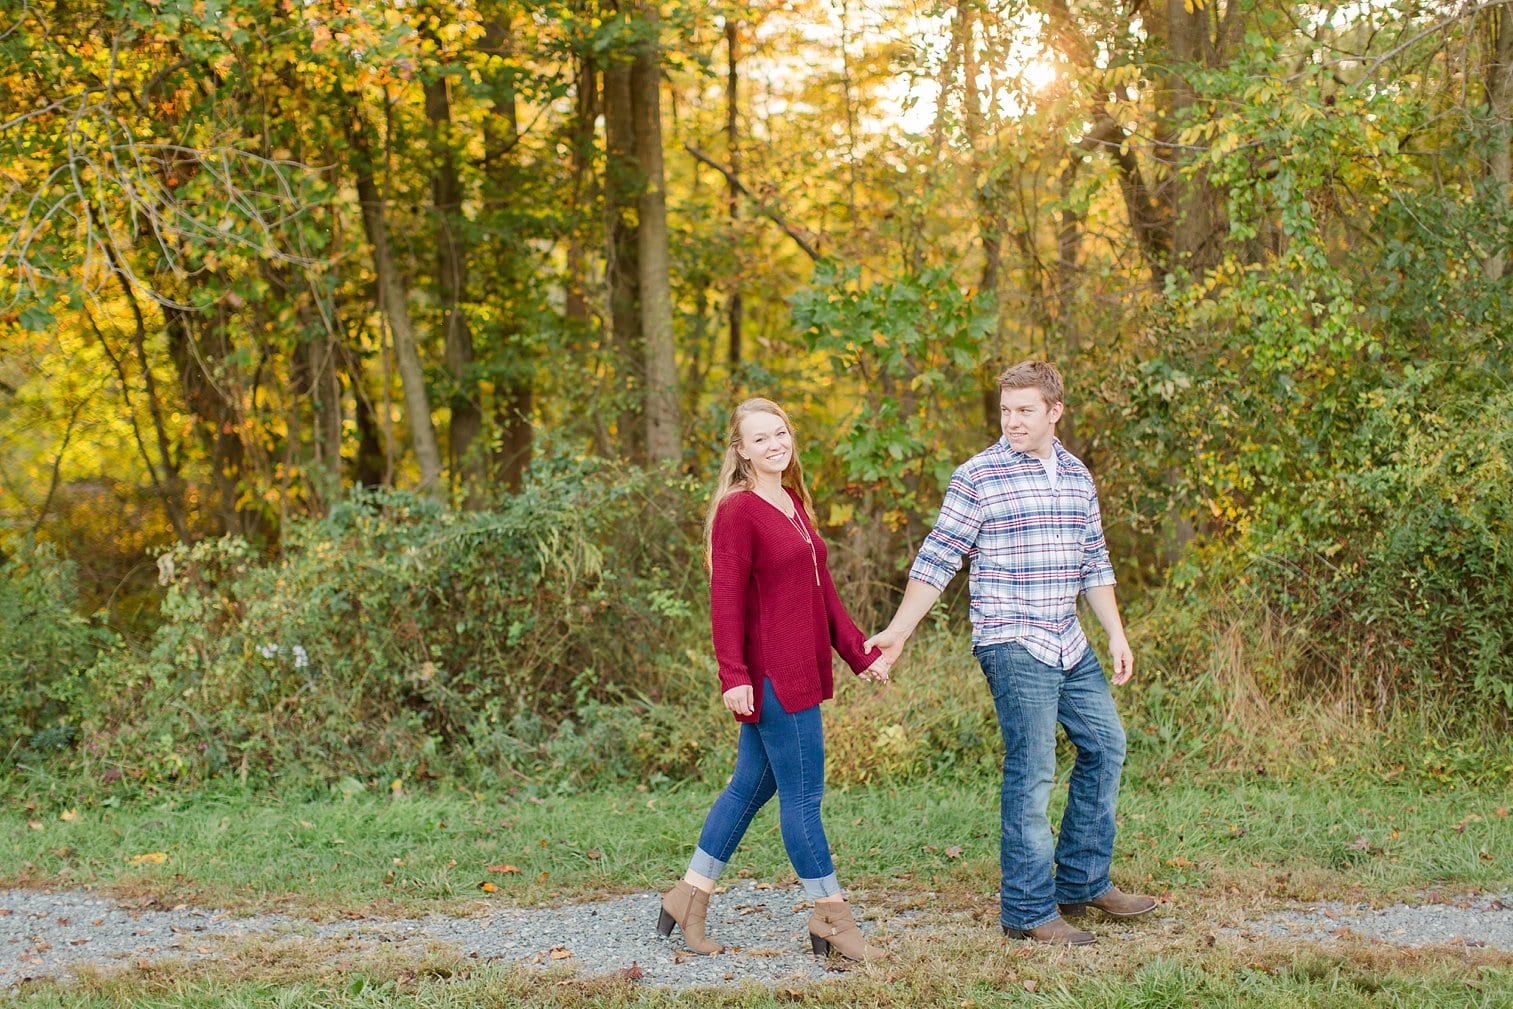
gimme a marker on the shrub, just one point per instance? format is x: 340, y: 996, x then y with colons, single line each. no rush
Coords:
x: 396, y: 635
x: 1376, y: 596
x: 45, y: 647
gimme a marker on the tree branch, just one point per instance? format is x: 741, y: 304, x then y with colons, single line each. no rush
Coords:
x: 764, y: 208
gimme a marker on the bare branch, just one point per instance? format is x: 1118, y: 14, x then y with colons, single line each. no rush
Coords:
x: 763, y: 207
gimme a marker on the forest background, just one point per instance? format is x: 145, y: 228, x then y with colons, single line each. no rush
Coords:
x: 365, y: 369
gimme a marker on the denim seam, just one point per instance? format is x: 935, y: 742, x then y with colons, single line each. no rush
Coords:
x: 752, y: 806
x: 1013, y: 685
x: 1098, y: 830
x: 803, y: 820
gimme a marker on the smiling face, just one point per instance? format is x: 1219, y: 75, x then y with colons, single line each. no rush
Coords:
x: 766, y: 443
x: 1029, y: 422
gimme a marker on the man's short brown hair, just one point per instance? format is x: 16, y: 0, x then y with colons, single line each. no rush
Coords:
x: 1040, y: 375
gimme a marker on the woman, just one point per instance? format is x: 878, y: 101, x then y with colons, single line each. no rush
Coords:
x: 775, y: 617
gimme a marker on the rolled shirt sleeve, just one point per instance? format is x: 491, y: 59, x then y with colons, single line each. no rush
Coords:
x: 1096, y: 567
x: 953, y: 536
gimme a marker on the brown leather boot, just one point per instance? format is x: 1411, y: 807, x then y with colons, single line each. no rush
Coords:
x: 832, y: 929
x: 1054, y: 933
x: 687, y: 906
x: 1114, y: 904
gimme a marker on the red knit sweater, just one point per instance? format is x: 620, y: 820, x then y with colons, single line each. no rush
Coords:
x: 770, y: 620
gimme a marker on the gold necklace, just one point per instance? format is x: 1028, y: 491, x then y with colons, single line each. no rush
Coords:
x: 798, y: 525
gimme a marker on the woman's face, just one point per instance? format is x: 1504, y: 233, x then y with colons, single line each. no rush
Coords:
x: 766, y: 443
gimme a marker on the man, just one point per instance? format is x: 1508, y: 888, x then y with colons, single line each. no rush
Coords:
x: 1026, y: 512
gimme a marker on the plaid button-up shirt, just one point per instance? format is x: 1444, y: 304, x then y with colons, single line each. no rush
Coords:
x: 1033, y: 549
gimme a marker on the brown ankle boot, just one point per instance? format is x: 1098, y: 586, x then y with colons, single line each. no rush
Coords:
x: 687, y: 906
x: 1115, y: 904
x: 833, y: 930
x: 1054, y: 933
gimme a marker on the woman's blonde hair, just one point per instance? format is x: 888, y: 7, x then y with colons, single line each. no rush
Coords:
x: 736, y: 473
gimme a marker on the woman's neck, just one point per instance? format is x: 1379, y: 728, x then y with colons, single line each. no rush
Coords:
x: 769, y: 485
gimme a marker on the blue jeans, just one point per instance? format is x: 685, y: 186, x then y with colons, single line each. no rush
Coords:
x: 1030, y: 698
x: 782, y: 753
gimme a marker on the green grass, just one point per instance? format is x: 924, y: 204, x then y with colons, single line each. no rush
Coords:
x: 1260, y: 837
x: 1219, y: 848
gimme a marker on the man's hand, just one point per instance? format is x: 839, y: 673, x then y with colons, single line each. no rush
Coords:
x: 738, y: 699
x: 1124, y: 661
x: 890, y: 641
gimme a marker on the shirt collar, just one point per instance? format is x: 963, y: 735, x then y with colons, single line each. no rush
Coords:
x: 1057, y: 449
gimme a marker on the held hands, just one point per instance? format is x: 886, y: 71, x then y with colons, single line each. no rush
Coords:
x: 891, y: 642
x: 739, y: 699
x: 878, y: 671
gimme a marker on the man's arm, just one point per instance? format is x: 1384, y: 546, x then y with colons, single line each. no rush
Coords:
x: 1106, y: 609
x: 918, y: 598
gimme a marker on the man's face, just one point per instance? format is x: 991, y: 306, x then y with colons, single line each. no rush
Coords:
x: 1028, y: 422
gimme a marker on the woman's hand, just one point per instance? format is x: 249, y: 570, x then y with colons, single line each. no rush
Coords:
x: 739, y: 699
x: 878, y: 671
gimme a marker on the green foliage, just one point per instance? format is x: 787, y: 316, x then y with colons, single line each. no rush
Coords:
x: 915, y: 344
x: 397, y: 635
x: 45, y: 648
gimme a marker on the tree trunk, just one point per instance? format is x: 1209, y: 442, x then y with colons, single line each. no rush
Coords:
x: 622, y: 181
x: 663, y: 437
x: 1194, y: 210
x: 1500, y: 108
x: 733, y: 192
x: 513, y: 367
x: 467, y: 467
x: 393, y: 298
x: 216, y: 424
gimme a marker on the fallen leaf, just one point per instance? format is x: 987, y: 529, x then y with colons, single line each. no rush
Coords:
x: 593, y: 853
x: 1360, y: 844
x: 306, y: 824
x: 34, y: 824
x: 1030, y: 984
x: 954, y: 851
x: 631, y: 973
x: 1502, y: 811
x: 559, y: 952
x: 488, y: 887
x: 155, y: 857
x: 502, y: 867
x: 69, y: 815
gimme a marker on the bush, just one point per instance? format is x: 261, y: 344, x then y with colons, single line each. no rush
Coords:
x: 395, y: 636
x: 45, y: 647
x: 1376, y: 596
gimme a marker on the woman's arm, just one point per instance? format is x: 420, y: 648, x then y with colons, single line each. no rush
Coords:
x: 729, y: 580
x: 845, y: 636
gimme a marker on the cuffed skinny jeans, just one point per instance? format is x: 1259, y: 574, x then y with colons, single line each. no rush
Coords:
x: 1030, y: 698
x: 782, y: 753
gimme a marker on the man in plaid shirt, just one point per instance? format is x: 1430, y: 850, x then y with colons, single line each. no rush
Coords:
x: 1025, y: 512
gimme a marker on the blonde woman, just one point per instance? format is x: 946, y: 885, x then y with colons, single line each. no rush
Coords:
x: 775, y: 617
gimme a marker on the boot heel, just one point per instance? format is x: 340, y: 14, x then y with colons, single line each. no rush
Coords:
x: 665, y: 922
x: 820, y: 946
x: 1073, y: 910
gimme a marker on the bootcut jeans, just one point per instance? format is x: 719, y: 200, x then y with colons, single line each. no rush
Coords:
x: 1031, y: 698
x: 780, y: 753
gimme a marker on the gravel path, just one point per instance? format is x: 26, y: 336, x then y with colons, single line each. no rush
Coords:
x: 44, y: 934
